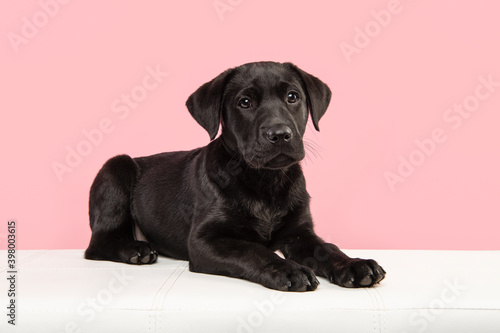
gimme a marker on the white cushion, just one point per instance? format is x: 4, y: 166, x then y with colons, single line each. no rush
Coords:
x: 424, y: 291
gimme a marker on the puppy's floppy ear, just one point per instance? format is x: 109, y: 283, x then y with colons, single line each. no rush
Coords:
x: 205, y: 104
x: 318, y: 94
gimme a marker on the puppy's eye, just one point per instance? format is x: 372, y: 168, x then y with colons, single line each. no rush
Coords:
x: 244, y: 103
x: 292, y: 97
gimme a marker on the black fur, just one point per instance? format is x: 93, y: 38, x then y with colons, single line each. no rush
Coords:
x: 229, y: 206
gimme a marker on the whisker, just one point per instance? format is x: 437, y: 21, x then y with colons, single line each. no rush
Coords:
x: 313, y: 148
x: 313, y: 144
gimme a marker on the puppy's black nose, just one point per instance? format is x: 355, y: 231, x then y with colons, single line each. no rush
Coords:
x: 279, y: 133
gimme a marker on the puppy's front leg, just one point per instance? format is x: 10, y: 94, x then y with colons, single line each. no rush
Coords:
x: 328, y: 261
x: 250, y: 261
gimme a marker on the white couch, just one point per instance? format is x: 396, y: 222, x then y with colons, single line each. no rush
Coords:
x: 424, y: 291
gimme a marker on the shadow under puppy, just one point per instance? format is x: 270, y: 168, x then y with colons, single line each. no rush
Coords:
x: 228, y: 206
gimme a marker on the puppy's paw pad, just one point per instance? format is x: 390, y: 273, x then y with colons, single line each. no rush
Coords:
x: 358, y: 273
x: 140, y: 253
x: 366, y: 281
x: 135, y: 259
x: 349, y: 283
x: 286, y: 286
x: 290, y: 276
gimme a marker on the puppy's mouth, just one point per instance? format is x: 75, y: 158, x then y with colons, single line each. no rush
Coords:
x: 277, y: 158
x: 279, y: 161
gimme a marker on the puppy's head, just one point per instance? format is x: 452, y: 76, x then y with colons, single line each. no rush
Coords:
x: 263, y: 108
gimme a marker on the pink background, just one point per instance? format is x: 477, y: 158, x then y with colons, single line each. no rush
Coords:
x: 67, y: 75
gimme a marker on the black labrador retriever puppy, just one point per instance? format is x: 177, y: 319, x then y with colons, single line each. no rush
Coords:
x: 229, y: 206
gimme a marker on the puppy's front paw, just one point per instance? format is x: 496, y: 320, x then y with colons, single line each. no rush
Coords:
x: 289, y: 276
x: 138, y: 253
x: 357, y: 273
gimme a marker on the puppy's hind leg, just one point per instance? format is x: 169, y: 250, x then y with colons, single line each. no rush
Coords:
x: 110, y: 215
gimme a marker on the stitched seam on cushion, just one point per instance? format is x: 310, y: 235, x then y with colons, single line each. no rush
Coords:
x: 155, y: 305
x: 180, y: 270
x: 372, y: 310
x: 384, y: 314
x: 376, y: 309
x: 177, y: 272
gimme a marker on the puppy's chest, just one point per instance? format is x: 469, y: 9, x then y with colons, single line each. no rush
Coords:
x: 266, y: 218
